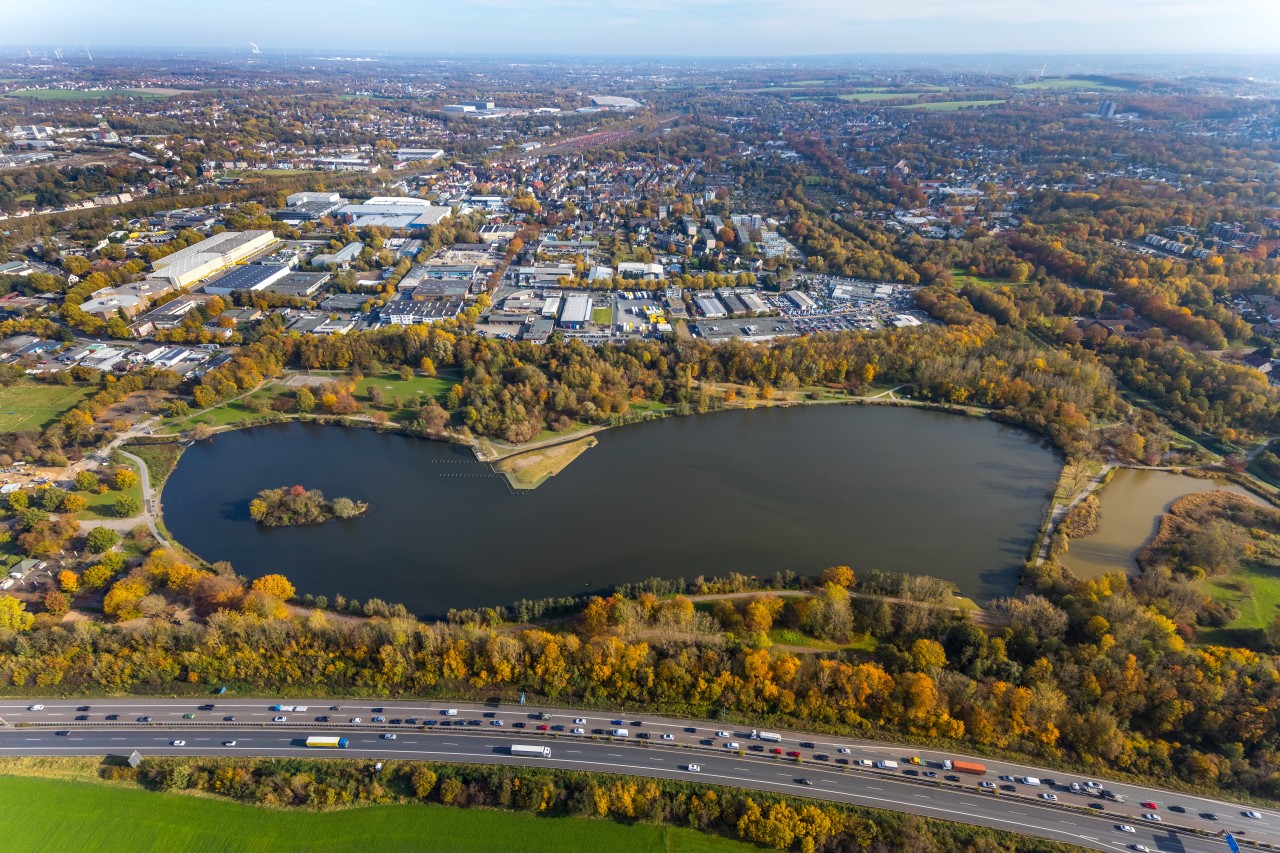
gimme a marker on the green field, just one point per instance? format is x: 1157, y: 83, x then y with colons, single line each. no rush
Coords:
x: 85, y: 95
x: 1071, y: 83
x: 34, y: 407
x: 93, y: 818
x: 224, y: 415
x: 867, y: 97
x: 1254, y: 590
x: 418, y: 386
x: 102, y: 506
x: 602, y: 316
x: 950, y: 106
x: 962, y: 278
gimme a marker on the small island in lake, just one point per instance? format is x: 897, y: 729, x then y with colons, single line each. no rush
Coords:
x: 292, y: 505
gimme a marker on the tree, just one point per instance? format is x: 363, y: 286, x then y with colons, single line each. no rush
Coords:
x: 838, y: 575
x: 74, y: 503
x: 68, y: 581
x: 345, y: 508
x: 306, y: 400
x: 14, y: 615
x: 125, y: 478
x: 56, y: 603
x: 51, y: 498
x: 18, y: 501
x: 277, y: 585
x: 85, y: 481
x: 127, y: 506
x: 101, y: 539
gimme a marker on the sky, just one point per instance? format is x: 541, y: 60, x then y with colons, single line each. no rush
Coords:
x: 684, y: 28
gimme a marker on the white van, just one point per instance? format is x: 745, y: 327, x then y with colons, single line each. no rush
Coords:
x: 621, y: 733
x: 450, y: 712
x: 1028, y: 780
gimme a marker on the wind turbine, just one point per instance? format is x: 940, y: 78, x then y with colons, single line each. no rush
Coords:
x: 57, y: 52
x: 254, y: 48
x: 87, y: 53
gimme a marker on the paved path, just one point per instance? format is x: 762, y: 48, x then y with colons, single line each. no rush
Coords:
x: 1060, y: 511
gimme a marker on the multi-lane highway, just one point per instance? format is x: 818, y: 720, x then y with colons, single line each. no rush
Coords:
x: 659, y: 747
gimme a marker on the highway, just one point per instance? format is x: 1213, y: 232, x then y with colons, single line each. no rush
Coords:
x: 483, y: 734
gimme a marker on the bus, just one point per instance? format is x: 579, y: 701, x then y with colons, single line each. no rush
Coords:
x: 327, y: 742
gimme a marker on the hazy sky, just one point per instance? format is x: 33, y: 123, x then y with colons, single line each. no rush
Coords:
x: 660, y: 27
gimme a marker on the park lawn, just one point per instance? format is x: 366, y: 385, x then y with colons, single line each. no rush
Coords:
x: 100, y: 818
x: 650, y: 406
x: 602, y: 316
x: 792, y: 637
x: 161, y: 459
x: 961, y: 278
x: 101, y: 506
x: 1252, y: 589
x: 1071, y: 83
x: 576, y: 426
x: 950, y: 106
x: 228, y: 414
x: 34, y: 407
x: 426, y: 387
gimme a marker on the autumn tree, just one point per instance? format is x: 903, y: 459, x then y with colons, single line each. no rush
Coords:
x: 277, y: 585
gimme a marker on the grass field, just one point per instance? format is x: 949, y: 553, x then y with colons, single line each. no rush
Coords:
x: 418, y: 386
x: 98, y: 818
x: 867, y: 97
x: 602, y: 316
x: 951, y: 106
x: 961, y: 278
x: 1254, y: 590
x: 102, y: 506
x: 34, y: 407
x: 161, y: 459
x: 529, y: 470
x: 1072, y: 83
x: 87, y: 95
x: 224, y: 415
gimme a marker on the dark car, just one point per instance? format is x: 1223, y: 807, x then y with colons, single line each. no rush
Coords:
x: 793, y: 754
x: 951, y: 777
x: 641, y: 735
x: 822, y: 756
x: 144, y: 719
x: 394, y: 721
x: 412, y: 721
x: 910, y: 772
x: 517, y: 725
x: 432, y: 723
x: 1178, y: 809
x: 228, y: 719
x: 557, y: 728
x: 84, y: 708
x: 80, y: 718
x: 842, y: 761
x: 755, y: 747
x: 690, y: 730
x: 1096, y: 806
x: 375, y: 710
x: 488, y: 714
x: 113, y: 716
x: 1012, y: 788
x: 617, y: 722
x: 1208, y: 815
x: 637, y: 722
x: 807, y: 744
x: 473, y: 722
x: 322, y: 719
x: 207, y: 707
x: 804, y: 781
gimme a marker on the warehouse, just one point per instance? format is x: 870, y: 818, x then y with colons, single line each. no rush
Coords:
x: 405, y: 312
x: 711, y: 308
x: 576, y: 311
x: 801, y: 300
x: 397, y: 212
x: 299, y: 284
x: 196, y: 263
x: 245, y: 279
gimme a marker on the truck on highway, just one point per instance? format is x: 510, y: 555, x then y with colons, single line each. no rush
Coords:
x: 531, y: 751
x: 298, y: 708
x: 770, y: 737
x: 621, y: 733
x: 887, y: 765
x: 969, y: 767
x: 327, y: 742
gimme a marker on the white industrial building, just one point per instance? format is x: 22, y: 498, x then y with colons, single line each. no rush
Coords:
x: 576, y: 311
x: 399, y: 212
x: 194, y: 263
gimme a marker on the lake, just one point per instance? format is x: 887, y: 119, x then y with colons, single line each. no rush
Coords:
x: 1129, y: 510
x: 799, y: 488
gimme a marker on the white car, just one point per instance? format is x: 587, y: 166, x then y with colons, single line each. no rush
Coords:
x: 694, y: 768
x: 354, y: 720
x: 864, y: 762
x: 36, y: 708
x: 1141, y: 848
x: 723, y: 734
x: 579, y: 721
x: 1151, y: 816
x: 987, y: 785
x: 1053, y: 798
x: 1093, y: 786
x: 733, y: 744
x: 277, y: 719
x: 668, y: 736
x: 1124, y: 827
x: 178, y: 743
x: 579, y: 731
x: 495, y: 722
x: 228, y: 743
x: 844, y: 750
x: 1252, y: 815
x: 389, y: 736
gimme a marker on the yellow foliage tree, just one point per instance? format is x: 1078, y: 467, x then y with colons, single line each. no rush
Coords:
x: 277, y: 585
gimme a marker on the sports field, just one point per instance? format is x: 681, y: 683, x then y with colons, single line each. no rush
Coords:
x: 34, y: 407
x: 49, y: 814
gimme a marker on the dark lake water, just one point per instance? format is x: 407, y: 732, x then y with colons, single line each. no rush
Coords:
x: 754, y: 492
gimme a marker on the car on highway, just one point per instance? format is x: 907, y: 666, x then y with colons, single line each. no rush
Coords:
x: 389, y: 736
x: 807, y: 744
x: 178, y: 743
x: 777, y: 750
x: 542, y: 728
x: 489, y: 715
x: 36, y: 708
x: 723, y: 734
x: 803, y: 781
x: 690, y: 730
x: 84, y: 708
x: 579, y: 721
x: 793, y: 754
x: 517, y: 725
x: 1251, y: 814
x: 229, y: 719
x: 188, y: 716
x: 643, y: 735
x: 354, y: 720
x: 694, y: 768
x: 1053, y: 798
x: 952, y: 778
x: 821, y: 756
x: 1151, y: 816
x: 864, y: 762
x: 579, y: 731
x: 228, y: 743
x: 495, y: 722
x: 930, y: 774
x: 987, y: 785
x: 1141, y: 848
x: 1075, y: 788
x: 733, y: 744
x: 144, y: 719
x: 1093, y: 786
x: 379, y: 719
x: 1151, y: 806
x: 323, y: 719
x: 1208, y: 815
x: 1124, y: 827
x: 1006, y: 778
x: 80, y: 718
x: 278, y: 719
x: 376, y: 710
x: 112, y: 716
x: 668, y: 736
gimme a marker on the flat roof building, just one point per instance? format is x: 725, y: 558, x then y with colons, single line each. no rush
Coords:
x: 576, y: 311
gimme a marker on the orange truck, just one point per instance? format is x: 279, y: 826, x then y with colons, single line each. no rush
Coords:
x: 969, y: 767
